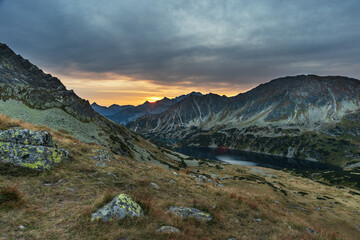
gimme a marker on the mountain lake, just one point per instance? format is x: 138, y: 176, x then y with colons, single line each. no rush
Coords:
x: 321, y: 172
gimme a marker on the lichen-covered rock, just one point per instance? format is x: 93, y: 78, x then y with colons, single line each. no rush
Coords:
x: 168, y: 229
x: 120, y: 207
x: 32, y: 149
x: 187, y: 212
x: 27, y: 137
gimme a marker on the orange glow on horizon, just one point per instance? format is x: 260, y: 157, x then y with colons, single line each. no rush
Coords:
x: 154, y: 99
x: 107, y: 89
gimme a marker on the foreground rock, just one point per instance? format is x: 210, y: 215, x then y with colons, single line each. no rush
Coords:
x: 120, y: 207
x: 31, y: 149
x: 168, y: 229
x: 187, y: 212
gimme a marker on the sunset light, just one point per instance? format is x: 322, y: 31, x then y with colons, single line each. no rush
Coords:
x: 153, y: 99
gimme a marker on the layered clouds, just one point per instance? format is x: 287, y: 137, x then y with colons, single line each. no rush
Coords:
x: 169, y: 46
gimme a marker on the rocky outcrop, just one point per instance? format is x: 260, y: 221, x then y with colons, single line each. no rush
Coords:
x: 31, y: 149
x: 120, y: 207
x: 187, y: 212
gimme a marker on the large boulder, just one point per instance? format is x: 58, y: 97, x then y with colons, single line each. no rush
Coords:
x: 120, y: 207
x: 32, y: 149
x: 187, y: 212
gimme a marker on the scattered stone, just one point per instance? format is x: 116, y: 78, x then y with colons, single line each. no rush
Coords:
x: 204, y: 178
x: 277, y: 203
x: 112, y: 174
x: 258, y: 220
x: 172, y: 181
x: 31, y: 149
x: 232, y: 239
x: 311, y: 231
x: 154, y: 185
x: 46, y: 183
x: 175, y: 173
x: 22, y: 227
x: 100, y: 164
x: 214, y: 206
x: 299, y: 208
x: 120, y: 207
x: 187, y: 212
x: 71, y: 189
x: 168, y: 229
x: 318, y: 208
x: 102, y: 155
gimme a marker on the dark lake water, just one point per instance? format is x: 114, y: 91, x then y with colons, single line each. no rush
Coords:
x: 254, y: 159
x: 321, y: 172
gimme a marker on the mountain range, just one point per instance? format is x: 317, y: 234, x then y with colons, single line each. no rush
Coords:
x: 306, y: 117
x: 128, y: 113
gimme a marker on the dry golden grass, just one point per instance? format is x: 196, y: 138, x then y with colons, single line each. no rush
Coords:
x: 58, y: 204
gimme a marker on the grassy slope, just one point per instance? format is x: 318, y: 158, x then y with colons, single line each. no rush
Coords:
x: 63, y: 210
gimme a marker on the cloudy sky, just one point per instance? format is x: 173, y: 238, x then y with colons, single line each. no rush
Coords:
x: 129, y: 51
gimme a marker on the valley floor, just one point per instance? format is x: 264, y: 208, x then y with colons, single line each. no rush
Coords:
x: 245, y: 202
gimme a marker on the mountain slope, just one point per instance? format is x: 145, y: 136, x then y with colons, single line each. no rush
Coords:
x: 147, y: 108
x: 27, y: 93
x: 245, y: 202
x: 286, y: 117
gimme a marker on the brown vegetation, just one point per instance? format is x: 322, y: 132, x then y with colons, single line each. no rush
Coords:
x: 58, y: 204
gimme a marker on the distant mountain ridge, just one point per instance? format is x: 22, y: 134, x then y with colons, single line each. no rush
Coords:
x: 126, y: 114
x: 273, y: 118
x: 106, y: 111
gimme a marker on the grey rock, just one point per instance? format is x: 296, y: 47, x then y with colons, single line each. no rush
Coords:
x: 112, y: 174
x: 27, y: 137
x: 258, y: 220
x: 204, y: 178
x: 168, y: 229
x: 102, y: 155
x: 31, y: 149
x: 311, y: 231
x: 187, y: 212
x: 120, y: 207
x: 100, y: 164
x: 154, y: 185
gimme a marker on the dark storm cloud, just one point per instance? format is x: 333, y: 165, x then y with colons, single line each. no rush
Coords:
x: 197, y: 41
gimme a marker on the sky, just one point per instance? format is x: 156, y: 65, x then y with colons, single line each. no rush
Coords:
x: 130, y: 51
